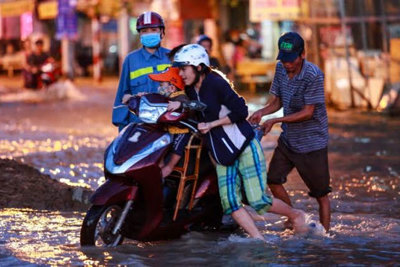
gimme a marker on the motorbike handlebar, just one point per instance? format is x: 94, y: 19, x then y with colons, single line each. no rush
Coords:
x: 188, y: 124
x: 193, y: 121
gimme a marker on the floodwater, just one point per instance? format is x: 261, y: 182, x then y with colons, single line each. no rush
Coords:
x: 66, y: 140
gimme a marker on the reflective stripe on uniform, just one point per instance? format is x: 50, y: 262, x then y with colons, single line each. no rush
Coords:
x: 140, y: 72
x: 162, y: 67
x: 147, y: 70
x: 120, y: 106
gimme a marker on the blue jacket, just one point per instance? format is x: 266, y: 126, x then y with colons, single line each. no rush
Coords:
x: 134, y: 79
x: 226, y: 142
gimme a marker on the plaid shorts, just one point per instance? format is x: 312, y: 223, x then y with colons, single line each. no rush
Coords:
x: 247, y: 174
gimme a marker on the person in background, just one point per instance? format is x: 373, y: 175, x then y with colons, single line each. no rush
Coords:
x: 298, y: 87
x: 151, y: 58
x: 10, y: 50
x: 228, y: 49
x: 34, y: 61
x: 254, y: 47
x: 230, y: 140
x: 207, y: 43
x: 27, y: 48
x: 7, y: 60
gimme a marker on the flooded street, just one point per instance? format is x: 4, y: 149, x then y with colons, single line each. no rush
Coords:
x: 66, y: 139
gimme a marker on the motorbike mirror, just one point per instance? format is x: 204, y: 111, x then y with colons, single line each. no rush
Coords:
x: 194, y: 105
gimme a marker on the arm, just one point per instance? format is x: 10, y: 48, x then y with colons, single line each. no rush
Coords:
x: 120, y: 114
x: 274, y: 104
x: 305, y: 114
x: 236, y: 105
x: 177, y: 101
x: 204, y: 127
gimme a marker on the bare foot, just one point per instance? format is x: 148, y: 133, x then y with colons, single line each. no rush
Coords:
x: 299, y: 222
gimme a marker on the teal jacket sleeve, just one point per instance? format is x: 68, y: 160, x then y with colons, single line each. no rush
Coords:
x: 120, y: 114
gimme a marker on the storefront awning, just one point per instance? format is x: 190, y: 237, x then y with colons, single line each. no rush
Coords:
x: 275, y: 10
x: 48, y: 10
x: 15, y: 8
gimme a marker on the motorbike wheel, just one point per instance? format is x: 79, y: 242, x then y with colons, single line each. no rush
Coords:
x: 98, y: 225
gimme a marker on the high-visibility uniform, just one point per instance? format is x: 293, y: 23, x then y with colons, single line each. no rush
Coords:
x: 134, y: 79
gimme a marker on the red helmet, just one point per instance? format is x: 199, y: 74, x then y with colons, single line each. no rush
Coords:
x: 149, y: 19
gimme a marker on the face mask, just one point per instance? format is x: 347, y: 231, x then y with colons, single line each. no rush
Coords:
x: 150, y: 39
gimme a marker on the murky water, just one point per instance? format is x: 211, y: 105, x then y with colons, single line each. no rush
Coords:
x: 52, y: 238
x: 66, y: 140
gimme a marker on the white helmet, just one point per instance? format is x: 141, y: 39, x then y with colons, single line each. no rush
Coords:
x: 191, y: 54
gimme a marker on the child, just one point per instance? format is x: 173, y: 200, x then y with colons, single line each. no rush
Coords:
x: 172, y: 86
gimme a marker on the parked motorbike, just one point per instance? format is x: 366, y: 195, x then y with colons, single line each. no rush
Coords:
x: 133, y: 202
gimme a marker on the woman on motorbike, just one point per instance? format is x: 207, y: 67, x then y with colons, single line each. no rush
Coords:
x: 230, y: 139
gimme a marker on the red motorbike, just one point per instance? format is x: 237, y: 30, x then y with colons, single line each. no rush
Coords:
x: 134, y: 202
x: 50, y: 72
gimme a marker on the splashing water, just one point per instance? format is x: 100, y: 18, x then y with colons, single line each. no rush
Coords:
x: 67, y: 139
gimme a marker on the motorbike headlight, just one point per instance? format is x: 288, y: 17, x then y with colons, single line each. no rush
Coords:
x: 150, y: 112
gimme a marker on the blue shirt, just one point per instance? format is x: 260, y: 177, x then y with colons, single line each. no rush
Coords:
x: 306, y: 88
x: 134, y: 79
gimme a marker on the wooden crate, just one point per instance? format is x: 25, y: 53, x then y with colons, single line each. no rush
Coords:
x: 395, y: 60
x: 253, y: 72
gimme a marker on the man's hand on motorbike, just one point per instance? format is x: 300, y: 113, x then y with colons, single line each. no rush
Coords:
x: 256, y: 117
x: 125, y: 98
x: 173, y: 105
x: 267, y: 126
x: 204, y: 127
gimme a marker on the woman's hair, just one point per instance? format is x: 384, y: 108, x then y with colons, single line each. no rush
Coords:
x: 223, y: 76
x: 206, y: 70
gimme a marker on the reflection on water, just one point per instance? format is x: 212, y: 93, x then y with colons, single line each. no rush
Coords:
x: 39, y: 237
x: 68, y: 155
x: 365, y: 219
x: 74, y: 160
x: 52, y: 238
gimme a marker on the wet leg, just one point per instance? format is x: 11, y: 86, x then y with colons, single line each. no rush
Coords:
x: 243, y: 218
x: 324, y: 211
x: 167, y: 169
x: 280, y: 192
